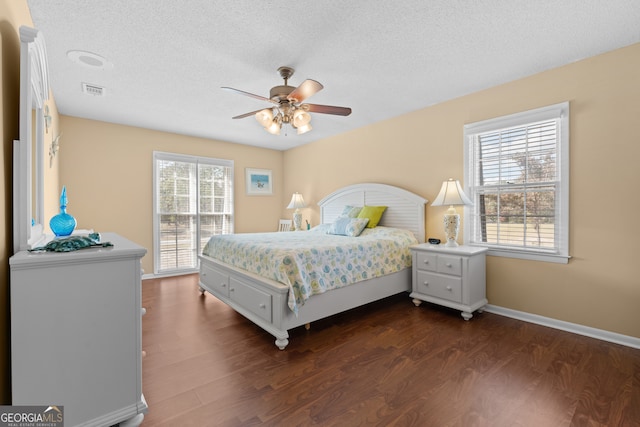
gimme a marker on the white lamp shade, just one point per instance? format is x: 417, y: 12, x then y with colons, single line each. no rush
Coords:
x: 296, y: 202
x: 451, y: 194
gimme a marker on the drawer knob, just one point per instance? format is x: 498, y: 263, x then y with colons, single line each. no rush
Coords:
x: 426, y: 261
x: 224, y: 285
x: 426, y: 283
x: 143, y: 311
x: 448, y: 264
x: 262, y: 305
x: 232, y: 289
x: 204, y: 274
x: 449, y: 288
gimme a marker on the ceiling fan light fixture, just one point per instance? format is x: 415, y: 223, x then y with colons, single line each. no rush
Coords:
x: 274, y: 128
x: 301, y: 118
x: 289, y: 108
x: 265, y: 117
x: 304, y: 129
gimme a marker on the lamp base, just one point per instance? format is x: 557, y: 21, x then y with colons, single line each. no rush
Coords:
x: 297, y: 221
x: 451, y: 226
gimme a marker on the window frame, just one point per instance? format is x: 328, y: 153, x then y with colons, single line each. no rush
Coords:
x: 558, y: 112
x: 197, y: 160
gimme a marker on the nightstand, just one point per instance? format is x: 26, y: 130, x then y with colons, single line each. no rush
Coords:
x: 452, y: 277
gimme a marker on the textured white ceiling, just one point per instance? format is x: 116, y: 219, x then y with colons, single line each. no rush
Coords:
x: 380, y: 58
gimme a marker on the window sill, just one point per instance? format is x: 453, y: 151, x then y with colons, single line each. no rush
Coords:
x: 531, y: 256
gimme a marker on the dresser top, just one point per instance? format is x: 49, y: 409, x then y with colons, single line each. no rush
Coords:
x: 459, y: 250
x: 122, y: 248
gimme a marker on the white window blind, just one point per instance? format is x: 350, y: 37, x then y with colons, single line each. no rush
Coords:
x: 517, y: 176
x: 193, y: 200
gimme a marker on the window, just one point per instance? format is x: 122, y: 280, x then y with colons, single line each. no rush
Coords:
x: 193, y: 200
x: 517, y: 175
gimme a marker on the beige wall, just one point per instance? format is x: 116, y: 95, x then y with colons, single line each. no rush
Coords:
x: 600, y: 287
x: 108, y: 171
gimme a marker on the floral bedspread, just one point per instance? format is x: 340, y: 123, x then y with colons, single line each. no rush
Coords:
x: 314, y: 262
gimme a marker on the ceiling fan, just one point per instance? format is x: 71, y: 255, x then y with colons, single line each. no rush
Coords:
x: 289, y: 107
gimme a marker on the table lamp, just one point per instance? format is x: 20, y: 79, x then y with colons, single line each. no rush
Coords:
x: 451, y: 194
x: 296, y: 203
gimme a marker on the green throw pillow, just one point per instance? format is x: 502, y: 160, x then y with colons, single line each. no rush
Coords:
x: 374, y: 213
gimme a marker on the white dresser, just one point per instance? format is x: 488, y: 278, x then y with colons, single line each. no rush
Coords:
x: 452, y: 277
x: 76, y: 336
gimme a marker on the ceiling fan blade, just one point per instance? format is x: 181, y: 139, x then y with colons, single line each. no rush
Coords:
x: 328, y: 109
x: 242, y: 116
x: 241, y: 92
x: 305, y: 90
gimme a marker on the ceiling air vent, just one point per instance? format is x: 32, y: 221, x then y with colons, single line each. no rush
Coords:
x: 94, y: 90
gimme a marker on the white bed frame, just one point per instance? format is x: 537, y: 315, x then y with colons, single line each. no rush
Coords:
x: 264, y: 301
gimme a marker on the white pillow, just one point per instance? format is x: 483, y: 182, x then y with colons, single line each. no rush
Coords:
x: 348, y: 226
x: 321, y: 228
x: 350, y: 211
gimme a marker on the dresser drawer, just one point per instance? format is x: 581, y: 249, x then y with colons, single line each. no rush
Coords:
x: 215, y: 280
x: 251, y: 298
x: 440, y: 286
x: 450, y: 265
x: 426, y: 261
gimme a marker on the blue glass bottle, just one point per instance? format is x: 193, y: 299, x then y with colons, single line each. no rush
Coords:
x: 63, y: 224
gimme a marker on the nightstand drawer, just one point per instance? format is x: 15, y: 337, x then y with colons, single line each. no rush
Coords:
x: 450, y: 265
x: 439, y: 286
x: 426, y: 261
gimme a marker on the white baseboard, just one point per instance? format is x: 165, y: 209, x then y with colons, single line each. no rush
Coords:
x: 566, y: 326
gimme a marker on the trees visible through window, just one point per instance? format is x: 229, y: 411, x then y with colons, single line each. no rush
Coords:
x: 517, y: 176
x: 193, y: 201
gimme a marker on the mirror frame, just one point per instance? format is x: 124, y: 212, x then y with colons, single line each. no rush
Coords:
x: 28, y: 230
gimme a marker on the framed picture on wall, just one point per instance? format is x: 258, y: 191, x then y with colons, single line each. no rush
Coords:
x: 259, y: 182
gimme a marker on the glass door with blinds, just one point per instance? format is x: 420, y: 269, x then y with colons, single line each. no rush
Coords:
x: 193, y: 200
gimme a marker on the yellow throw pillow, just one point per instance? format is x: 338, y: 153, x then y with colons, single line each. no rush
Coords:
x: 374, y: 213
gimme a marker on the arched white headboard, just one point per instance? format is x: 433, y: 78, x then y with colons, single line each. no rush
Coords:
x: 404, y: 208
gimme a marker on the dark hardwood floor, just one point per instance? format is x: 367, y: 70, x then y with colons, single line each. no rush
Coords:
x: 388, y: 364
